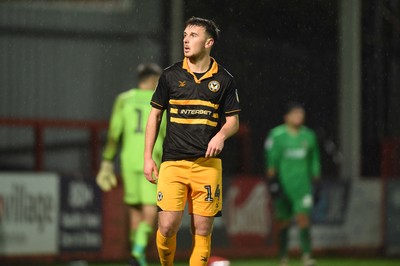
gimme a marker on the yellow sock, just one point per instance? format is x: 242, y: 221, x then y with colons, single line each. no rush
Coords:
x: 166, y: 249
x: 201, y: 250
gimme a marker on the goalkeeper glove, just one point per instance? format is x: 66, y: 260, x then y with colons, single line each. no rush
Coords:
x: 106, y: 178
x: 274, y: 187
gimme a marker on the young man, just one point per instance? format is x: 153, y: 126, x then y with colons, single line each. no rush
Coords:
x: 127, y: 125
x: 198, y: 94
x: 293, y: 159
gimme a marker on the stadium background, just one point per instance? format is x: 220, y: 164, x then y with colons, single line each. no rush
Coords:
x: 63, y: 62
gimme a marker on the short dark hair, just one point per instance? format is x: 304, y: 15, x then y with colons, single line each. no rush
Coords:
x: 210, y: 26
x: 146, y: 70
x: 293, y: 106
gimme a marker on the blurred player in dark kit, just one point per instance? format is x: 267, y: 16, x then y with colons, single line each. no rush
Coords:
x: 127, y: 126
x: 293, y: 163
x: 202, y: 106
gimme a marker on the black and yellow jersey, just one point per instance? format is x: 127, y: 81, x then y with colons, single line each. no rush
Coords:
x: 196, y: 107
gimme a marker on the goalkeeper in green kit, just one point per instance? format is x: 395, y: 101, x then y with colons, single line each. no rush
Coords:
x: 127, y: 125
x: 293, y: 164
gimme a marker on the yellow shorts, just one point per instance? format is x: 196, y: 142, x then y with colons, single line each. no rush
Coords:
x: 198, y: 181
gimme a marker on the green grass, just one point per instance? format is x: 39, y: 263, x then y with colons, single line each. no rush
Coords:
x: 294, y: 262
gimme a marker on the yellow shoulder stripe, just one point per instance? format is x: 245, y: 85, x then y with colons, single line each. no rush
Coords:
x: 157, y: 104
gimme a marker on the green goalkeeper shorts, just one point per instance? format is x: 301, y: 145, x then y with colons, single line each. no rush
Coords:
x: 289, y: 205
x: 137, y: 190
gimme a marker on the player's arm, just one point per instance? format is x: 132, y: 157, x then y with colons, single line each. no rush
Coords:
x: 231, y: 108
x: 271, y: 152
x: 152, y: 129
x: 315, y: 160
x: 106, y: 178
x: 159, y: 101
x: 271, y: 156
x: 216, y: 144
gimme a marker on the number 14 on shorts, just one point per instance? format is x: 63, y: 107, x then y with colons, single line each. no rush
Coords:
x: 209, y: 197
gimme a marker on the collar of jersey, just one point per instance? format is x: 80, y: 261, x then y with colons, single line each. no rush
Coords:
x: 213, y: 70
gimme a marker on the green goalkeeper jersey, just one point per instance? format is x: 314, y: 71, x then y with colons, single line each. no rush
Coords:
x: 295, y: 158
x: 127, y: 124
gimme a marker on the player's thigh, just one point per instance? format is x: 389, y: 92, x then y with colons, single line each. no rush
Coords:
x: 283, y: 208
x: 131, y: 186
x: 172, y: 186
x: 205, y: 197
x: 302, y: 203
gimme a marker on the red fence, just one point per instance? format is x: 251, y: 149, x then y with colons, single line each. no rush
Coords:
x: 115, y: 244
x: 95, y: 128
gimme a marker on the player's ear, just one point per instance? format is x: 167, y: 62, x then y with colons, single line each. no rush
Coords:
x: 209, y: 43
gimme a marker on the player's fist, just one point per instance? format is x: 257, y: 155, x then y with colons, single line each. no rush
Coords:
x: 274, y: 187
x: 150, y: 170
x: 106, y: 178
x: 215, y: 146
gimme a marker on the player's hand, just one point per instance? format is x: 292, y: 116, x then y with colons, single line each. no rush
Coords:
x: 106, y: 178
x: 150, y: 170
x: 274, y: 187
x: 215, y: 146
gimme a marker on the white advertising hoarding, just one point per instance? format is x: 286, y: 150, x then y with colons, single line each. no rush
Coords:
x: 30, y: 207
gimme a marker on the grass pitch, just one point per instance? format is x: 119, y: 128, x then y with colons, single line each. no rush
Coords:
x: 293, y: 262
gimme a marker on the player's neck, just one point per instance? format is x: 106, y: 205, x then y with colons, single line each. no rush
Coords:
x: 147, y: 85
x: 294, y: 130
x: 199, y: 64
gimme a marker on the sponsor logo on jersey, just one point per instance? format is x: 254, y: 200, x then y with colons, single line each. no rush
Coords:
x: 194, y: 112
x: 214, y: 86
x: 296, y: 153
x: 182, y: 83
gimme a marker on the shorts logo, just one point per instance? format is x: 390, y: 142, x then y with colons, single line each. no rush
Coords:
x: 214, y: 86
x: 159, y: 196
x: 307, y: 201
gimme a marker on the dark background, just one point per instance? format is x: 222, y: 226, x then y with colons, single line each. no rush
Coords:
x: 70, y: 59
x: 282, y: 51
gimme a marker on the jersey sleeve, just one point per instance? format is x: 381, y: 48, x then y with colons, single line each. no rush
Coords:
x: 161, y: 94
x: 315, y: 159
x: 114, y: 131
x: 272, y: 152
x: 231, y: 104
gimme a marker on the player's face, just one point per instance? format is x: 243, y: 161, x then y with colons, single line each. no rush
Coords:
x: 295, y: 117
x: 196, y: 41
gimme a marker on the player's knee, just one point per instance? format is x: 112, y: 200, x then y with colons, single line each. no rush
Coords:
x: 201, y: 229
x: 284, y: 224
x: 303, y: 221
x: 168, y: 229
x: 150, y: 216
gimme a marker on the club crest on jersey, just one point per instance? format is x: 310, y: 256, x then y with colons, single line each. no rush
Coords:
x: 214, y: 86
